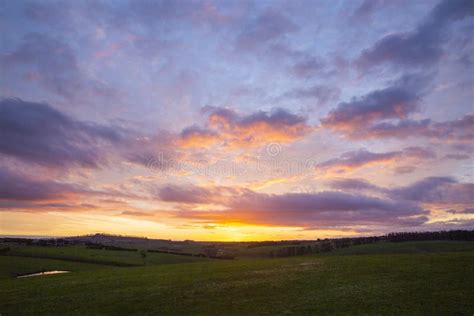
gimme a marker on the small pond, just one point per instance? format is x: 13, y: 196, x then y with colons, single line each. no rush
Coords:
x: 42, y: 273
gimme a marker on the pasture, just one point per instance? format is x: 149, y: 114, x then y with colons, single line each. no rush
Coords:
x: 380, y: 278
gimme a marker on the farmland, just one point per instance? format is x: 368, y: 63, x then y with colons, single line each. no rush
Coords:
x: 380, y: 278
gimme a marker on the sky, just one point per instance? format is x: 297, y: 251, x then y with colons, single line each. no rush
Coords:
x: 236, y: 120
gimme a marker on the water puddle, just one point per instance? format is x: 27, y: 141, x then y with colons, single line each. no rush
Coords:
x: 42, y: 273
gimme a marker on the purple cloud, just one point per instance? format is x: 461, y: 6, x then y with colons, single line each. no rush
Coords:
x: 268, y: 26
x: 360, y: 158
x: 429, y: 190
x: 464, y: 211
x: 357, y: 159
x: 49, y: 137
x: 395, y: 102
x: 457, y: 156
x: 357, y: 185
x: 15, y: 186
x: 460, y: 130
x: 322, y: 209
x: 323, y: 94
x: 436, y: 190
x: 422, y: 46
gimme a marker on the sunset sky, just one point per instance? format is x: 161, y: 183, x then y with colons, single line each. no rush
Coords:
x: 236, y: 120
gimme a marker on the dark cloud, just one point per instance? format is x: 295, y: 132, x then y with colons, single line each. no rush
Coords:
x: 399, y: 206
x: 354, y: 185
x: 31, y: 193
x: 277, y: 118
x: 401, y: 129
x: 436, y: 190
x: 423, y: 45
x: 430, y: 190
x: 14, y: 186
x: 321, y: 209
x: 385, y: 113
x: 37, y: 133
x: 394, y: 102
x: 460, y: 130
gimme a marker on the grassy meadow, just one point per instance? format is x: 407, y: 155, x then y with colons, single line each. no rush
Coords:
x: 426, y: 277
x: 78, y: 253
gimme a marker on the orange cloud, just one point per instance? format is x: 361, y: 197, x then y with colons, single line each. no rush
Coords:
x: 231, y: 130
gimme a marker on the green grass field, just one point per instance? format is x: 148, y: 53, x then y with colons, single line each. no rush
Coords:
x: 382, y: 278
x: 98, y: 256
x: 406, y: 247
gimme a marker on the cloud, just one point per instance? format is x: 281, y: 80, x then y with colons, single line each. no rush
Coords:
x: 457, y: 156
x: 37, y: 133
x: 385, y: 113
x: 186, y: 194
x: 19, y: 187
x: 436, y: 190
x: 348, y: 203
x: 50, y: 61
x: 404, y: 169
x: 31, y: 193
x: 365, y: 10
x: 423, y: 45
x: 420, y: 153
x: 320, y: 209
x: 233, y: 130
x: 52, y: 64
x: 464, y: 211
x: 456, y: 131
x: 361, y: 158
x: 308, y: 67
x: 156, y: 152
x: 191, y: 194
x: 323, y: 94
x: 429, y: 190
x: 196, y: 135
x: 394, y: 102
x: 357, y: 185
x: 268, y: 26
x: 357, y: 159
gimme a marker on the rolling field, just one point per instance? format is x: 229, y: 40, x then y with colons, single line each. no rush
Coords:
x: 407, y: 247
x: 11, y: 266
x: 382, y: 278
x: 99, y: 256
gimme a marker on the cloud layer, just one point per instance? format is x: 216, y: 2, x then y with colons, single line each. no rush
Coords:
x: 37, y: 133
